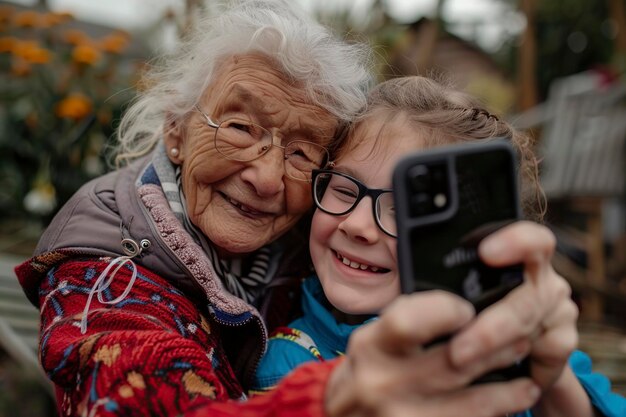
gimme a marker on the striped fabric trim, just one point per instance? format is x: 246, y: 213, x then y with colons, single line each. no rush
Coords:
x: 299, y: 337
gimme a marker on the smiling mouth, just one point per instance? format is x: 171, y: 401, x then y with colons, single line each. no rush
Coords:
x: 243, y: 208
x: 360, y: 266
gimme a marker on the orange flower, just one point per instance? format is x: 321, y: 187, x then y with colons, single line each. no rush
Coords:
x: 85, y: 54
x: 114, y: 43
x: 56, y: 18
x: 31, y: 52
x: 5, y: 13
x: 75, y: 37
x: 21, y: 47
x: 7, y: 43
x: 39, y: 56
x: 74, y: 106
x: 27, y: 19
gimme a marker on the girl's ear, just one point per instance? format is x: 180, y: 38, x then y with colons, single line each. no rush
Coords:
x: 173, y: 137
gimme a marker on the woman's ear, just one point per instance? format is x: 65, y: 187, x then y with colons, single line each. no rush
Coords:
x: 173, y: 137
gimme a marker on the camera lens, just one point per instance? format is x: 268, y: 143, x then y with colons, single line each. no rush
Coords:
x: 421, y: 204
x: 419, y: 177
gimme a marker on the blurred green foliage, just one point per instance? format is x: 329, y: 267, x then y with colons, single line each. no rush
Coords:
x: 572, y: 36
x: 57, y: 108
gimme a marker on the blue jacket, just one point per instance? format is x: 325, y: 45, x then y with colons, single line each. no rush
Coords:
x: 318, y: 336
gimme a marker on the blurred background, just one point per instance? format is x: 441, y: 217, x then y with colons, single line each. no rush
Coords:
x: 553, y: 67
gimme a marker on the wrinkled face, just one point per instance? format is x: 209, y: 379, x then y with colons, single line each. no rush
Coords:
x: 241, y: 206
x: 354, y: 259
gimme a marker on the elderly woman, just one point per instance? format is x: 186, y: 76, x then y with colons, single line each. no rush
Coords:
x: 150, y: 279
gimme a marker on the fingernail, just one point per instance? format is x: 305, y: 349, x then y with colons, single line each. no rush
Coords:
x: 468, y: 310
x: 534, y: 392
x: 491, y: 247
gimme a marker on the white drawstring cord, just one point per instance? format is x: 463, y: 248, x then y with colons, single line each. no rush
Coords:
x: 100, y: 286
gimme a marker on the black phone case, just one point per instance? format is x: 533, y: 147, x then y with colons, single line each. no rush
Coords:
x: 447, y: 200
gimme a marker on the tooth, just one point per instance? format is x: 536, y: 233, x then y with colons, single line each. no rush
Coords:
x: 363, y: 267
x: 374, y: 269
x: 345, y: 261
x: 354, y: 264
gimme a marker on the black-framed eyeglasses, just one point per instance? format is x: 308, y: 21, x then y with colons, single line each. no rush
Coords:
x: 244, y: 141
x: 338, y: 194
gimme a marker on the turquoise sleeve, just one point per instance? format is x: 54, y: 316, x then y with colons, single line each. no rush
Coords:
x: 282, y: 357
x: 598, y: 387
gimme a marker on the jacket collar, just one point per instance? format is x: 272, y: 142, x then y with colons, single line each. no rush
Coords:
x: 326, y: 331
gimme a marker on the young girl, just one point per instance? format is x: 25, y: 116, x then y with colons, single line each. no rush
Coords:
x: 353, y: 232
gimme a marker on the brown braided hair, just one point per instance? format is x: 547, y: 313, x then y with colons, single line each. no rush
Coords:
x: 451, y: 116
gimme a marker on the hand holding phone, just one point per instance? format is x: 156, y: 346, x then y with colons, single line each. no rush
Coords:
x: 447, y: 200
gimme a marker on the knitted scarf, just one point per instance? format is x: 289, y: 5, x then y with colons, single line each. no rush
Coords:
x: 243, y: 277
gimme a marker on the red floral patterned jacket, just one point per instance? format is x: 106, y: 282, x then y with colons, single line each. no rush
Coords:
x: 152, y: 354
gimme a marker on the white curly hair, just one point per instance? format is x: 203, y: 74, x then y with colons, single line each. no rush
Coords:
x: 336, y: 74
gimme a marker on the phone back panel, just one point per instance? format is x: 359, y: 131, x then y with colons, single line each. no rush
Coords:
x: 447, y: 200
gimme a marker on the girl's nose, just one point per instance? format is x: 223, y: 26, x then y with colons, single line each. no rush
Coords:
x: 360, y: 224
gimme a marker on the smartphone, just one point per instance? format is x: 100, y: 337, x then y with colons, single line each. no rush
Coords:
x: 447, y: 200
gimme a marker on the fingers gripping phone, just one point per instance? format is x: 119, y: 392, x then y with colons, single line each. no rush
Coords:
x: 447, y: 200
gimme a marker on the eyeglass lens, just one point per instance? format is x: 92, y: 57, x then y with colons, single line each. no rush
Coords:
x: 243, y: 141
x: 338, y: 194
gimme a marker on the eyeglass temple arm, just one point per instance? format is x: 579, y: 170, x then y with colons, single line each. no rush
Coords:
x: 208, y: 119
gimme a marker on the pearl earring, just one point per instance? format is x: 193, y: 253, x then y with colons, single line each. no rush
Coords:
x: 174, y: 152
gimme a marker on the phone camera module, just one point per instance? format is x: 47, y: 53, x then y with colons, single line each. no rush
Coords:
x: 419, y: 178
x: 429, y: 188
x: 421, y: 204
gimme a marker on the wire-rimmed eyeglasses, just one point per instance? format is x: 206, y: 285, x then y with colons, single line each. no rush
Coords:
x: 244, y: 141
x: 338, y: 194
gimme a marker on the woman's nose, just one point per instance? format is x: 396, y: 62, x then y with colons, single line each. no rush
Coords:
x: 266, y: 174
x: 360, y: 224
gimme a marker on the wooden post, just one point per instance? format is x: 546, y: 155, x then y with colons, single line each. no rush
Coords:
x: 424, y: 59
x: 592, y: 304
x: 527, y: 59
x: 618, y: 14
